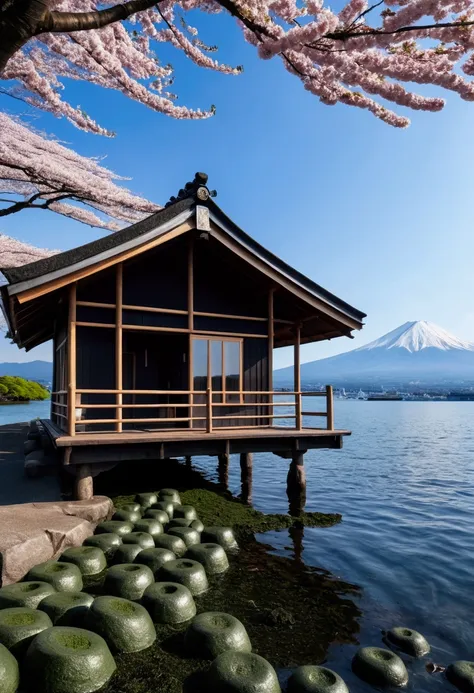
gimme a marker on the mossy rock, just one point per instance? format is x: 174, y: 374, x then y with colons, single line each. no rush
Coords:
x: 146, y: 500
x: 169, y: 602
x: 409, y: 641
x: 68, y: 660
x: 107, y: 542
x: 67, y: 608
x: 128, y: 580
x: 188, y: 512
x: 9, y: 671
x: 125, y: 625
x: 213, y: 632
x: 461, y: 675
x: 64, y: 577
x: 144, y: 539
x: 197, y: 525
x: 211, y: 556
x: 18, y: 627
x: 154, y: 558
x: 122, y: 515
x: 166, y: 506
x: 174, y: 544
x: 314, y: 679
x: 149, y: 526
x: 154, y: 514
x: 89, y: 559
x: 187, y: 534
x: 126, y: 553
x: 27, y: 594
x: 379, y: 667
x: 220, y: 535
x: 242, y: 672
x: 135, y: 507
x: 178, y: 522
x: 186, y: 572
x: 114, y: 527
x: 169, y: 494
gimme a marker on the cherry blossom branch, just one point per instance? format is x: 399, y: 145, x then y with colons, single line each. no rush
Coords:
x: 61, y: 22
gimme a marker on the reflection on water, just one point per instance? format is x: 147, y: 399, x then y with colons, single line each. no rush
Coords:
x: 404, y: 483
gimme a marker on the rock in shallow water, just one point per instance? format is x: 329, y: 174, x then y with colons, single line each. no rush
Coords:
x: 379, y: 667
x: 409, y: 641
x: 125, y: 626
x: 211, y: 556
x: 315, y: 679
x: 189, y: 573
x: 461, y: 675
x: 212, y: 633
x: 242, y: 672
x: 169, y: 602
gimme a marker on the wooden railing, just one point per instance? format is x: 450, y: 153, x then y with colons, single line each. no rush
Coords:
x: 202, y: 408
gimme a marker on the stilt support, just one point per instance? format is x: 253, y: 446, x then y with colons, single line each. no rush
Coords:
x: 223, y: 469
x: 296, y: 483
x: 188, y: 461
x: 84, y: 486
x: 246, y: 471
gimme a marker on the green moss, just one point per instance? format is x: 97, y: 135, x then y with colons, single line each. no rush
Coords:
x: 73, y: 641
x: 20, y: 619
x: 123, y: 607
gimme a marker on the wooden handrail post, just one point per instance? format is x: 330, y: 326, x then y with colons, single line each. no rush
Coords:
x: 271, y: 331
x: 209, y: 410
x: 330, y: 408
x: 190, y: 325
x: 118, y: 346
x: 71, y: 364
x: 297, y: 378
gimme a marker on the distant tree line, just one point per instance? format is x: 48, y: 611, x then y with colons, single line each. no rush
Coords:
x: 15, y: 389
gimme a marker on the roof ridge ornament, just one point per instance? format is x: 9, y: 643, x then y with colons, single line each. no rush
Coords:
x: 196, y: 188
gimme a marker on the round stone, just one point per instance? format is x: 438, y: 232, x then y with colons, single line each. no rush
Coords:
x: 149, y: 526
x: 108, y: 543
x: 123, y: 515
x: 461, y: 675
x: 185, y: 511
x: 18, y: 627
x: 128, y: 580
x: 144, y: 539
x: 136, y: 507
x: 66, y: 608
x: 212, y: 633
x: 154, y: 514
x: 379, y: 667
x: 154, y: 558
x: 28, y: 594
x: 9, y: 671
x: 211, y: 556
x: 189, y: 573
x: 241, y: 672
x: 187, y: 534
x: 165, y: 506
x: 125, y: 625
x: 179, y: 522
x: 146, y: 500
x: 170, y: 494
x: 220, y: 535
x: 314, y: 679
x: 126, y: 553
x: 169, y: 602
x: 172, y: 543
x: 197, y: 525
x: 64, y: 577
x: 115, y: 527
x: 68, y: 660
x: 409, y: 641
x: 89, y: 559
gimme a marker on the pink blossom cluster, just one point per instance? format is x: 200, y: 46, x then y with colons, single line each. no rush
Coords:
x: 73, y: 185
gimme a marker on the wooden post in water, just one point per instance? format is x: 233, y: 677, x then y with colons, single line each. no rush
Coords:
x: 296, y: 483
x: 84, y: 485
x: 188, y: 461
x: 246, y: 471
x: 223, y: 469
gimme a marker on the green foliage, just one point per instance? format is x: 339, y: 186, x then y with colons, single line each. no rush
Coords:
x: 19, y: 389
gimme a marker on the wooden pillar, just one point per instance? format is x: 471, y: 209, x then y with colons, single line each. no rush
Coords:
x: 270, y: 347
x: 246, y: 473
x: 223, y: 469
x: 118, y: 345
x: 330, y: 408
x: 71, y: 362
x: 297, y: 380
x: 190, y: 324
x: 188, y: 461
x: 84, y: 485
x: 296, y: 483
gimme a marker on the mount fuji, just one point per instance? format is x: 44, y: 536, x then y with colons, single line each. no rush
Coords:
x: 416, y: 353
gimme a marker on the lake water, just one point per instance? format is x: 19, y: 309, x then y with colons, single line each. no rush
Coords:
x: 404, y: 483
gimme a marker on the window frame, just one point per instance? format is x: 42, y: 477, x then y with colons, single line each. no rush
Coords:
x: 223, y: 340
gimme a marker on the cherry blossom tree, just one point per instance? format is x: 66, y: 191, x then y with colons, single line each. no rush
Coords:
x: 36, y: 173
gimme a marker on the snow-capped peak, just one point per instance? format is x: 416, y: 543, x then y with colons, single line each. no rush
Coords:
x: 414, y: 336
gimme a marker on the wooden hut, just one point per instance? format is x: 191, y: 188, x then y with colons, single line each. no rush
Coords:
x: 163, y: 340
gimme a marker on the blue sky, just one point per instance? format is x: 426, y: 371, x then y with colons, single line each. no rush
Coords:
x: 381, y: 217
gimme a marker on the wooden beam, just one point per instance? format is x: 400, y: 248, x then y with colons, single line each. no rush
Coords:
x: 297, y: 377
x: 72, y: 360
x: 118, y: 343
x: 43, y: 289
x: 190, y: 268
